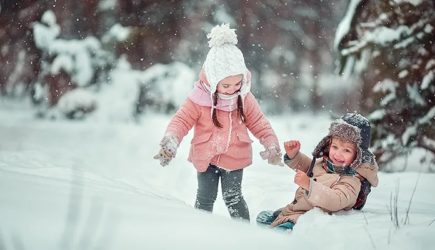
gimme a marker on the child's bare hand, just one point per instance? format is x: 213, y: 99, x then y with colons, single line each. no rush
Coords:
x: 302, y: 180
x: 292, y: 148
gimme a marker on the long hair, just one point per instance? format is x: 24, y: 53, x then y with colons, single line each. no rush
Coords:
x: 239, y: 110
x: 214, y: 116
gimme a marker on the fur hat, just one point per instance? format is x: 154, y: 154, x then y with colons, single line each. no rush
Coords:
x: 353, y: 128
x: 224, y: 58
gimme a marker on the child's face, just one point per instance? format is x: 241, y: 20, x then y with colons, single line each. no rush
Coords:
x: 230, y: 85
x: 342, y: 153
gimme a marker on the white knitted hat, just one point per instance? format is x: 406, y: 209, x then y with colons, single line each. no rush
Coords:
x: 224, y: 58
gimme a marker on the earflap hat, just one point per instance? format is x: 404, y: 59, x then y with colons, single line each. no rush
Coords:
x: 354, y: 128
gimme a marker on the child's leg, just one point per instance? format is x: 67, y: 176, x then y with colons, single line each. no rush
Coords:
x: 232, y: 194
x: 207, y: 188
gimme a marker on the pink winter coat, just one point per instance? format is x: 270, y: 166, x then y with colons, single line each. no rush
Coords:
x: 328, y: 191
x: 228, y: 147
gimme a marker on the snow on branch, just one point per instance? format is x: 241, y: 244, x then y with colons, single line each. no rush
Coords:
x: 412, y: 130
x: 345, y: 24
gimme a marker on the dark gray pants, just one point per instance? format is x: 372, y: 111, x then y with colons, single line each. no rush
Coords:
x: 231, y: 184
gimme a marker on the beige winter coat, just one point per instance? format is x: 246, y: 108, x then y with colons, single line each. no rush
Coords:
x: 328, y: 191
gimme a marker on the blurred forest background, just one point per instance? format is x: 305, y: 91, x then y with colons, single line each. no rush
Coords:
x: 76, y: 58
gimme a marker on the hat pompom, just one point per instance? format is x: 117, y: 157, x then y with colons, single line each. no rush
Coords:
x: 221, y: 35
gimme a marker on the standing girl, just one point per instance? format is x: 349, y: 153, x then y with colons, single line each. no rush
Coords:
x: 221, y: 109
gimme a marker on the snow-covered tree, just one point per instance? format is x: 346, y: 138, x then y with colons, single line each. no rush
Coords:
x: 18, y: 57
x: 67, y: 64
x: 286, y: 44
x: 390, y: 45
x: 164, y: 88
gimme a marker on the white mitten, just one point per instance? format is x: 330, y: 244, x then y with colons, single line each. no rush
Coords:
x: 273, y: 156
x: 168, y: 150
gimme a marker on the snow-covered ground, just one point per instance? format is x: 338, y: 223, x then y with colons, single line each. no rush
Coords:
x: 94, y: 185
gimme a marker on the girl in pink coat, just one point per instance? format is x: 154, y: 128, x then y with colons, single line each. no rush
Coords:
x: 221, y: 109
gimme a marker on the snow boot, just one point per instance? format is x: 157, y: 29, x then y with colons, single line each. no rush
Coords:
x: 265, y: 218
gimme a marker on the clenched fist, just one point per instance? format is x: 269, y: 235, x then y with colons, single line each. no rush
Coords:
x: 302, y: 180
x: 292, y: 148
